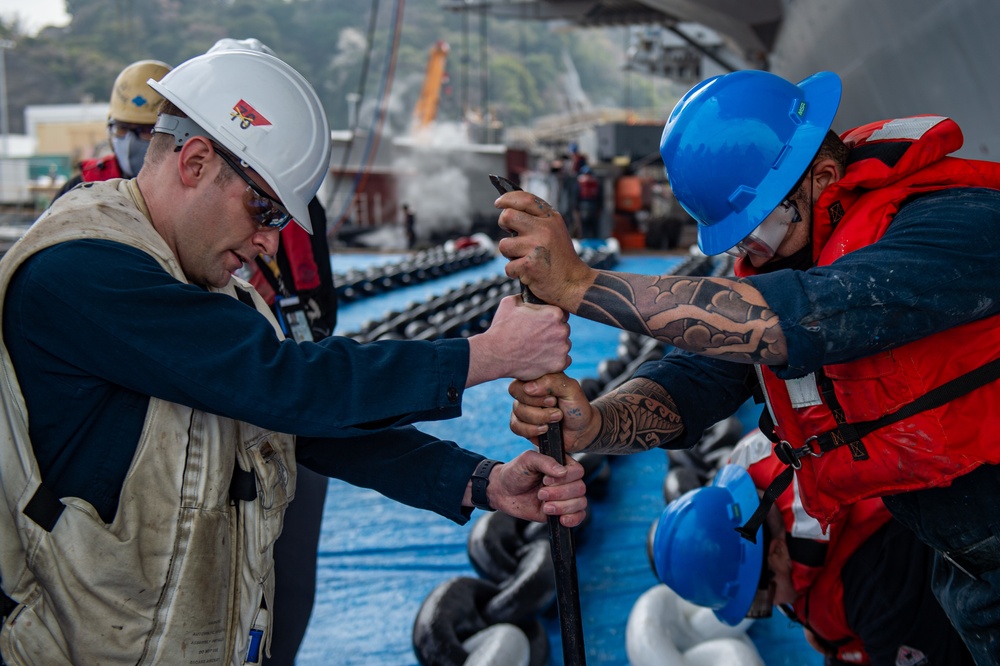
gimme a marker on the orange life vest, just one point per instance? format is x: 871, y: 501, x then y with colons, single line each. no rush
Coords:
x: 818, y: 559
x: 893, y: 161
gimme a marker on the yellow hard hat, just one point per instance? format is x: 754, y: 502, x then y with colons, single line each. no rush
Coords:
x: 132, y: 100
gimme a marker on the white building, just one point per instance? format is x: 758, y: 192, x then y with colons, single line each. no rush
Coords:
x: 34, y: 165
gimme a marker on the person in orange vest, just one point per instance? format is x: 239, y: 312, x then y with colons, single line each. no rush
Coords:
x: 131, y: 116
x: 864, y: 312
x: 861, y: 590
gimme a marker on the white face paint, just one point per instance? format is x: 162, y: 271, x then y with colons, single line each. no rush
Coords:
x: 763, y: 241
x: 130, y: 151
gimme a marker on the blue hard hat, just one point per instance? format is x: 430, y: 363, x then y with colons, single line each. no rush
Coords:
x: 735, y: 145
x: 698, y: 553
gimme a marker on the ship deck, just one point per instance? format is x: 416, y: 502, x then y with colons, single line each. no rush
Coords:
x: 379, y: 560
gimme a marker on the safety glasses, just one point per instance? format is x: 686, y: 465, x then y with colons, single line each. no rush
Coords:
x: 264, y: 210
x: 764, y: 240
x: 121, y: 130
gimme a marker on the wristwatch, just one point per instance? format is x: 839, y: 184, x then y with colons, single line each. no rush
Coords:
x: 481, y: 479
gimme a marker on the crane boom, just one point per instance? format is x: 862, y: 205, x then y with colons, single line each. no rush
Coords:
x: 430, y: 94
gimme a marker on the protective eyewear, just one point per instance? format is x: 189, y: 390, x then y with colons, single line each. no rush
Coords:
x: 121, y: 130
x: 763, y: 241
x: 264, y: 210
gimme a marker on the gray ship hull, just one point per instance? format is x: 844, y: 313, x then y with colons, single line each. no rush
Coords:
x: 900, y: 58
x: 896, y: 57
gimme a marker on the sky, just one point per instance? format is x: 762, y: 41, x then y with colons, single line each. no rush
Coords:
x: 35, y: 14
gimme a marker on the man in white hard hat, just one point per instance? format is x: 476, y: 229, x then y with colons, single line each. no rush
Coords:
x: 143, y: 460
x: 297, y: 282
x: 131, y: 116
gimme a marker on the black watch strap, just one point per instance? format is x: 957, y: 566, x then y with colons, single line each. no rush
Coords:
x: 481, y: 479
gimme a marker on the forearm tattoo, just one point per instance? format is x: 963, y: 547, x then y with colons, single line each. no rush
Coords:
x: 711, y: 316
x: 638, y: 416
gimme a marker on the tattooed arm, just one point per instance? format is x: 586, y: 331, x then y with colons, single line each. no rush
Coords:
x: 637, y: 416
x: 721, y: 317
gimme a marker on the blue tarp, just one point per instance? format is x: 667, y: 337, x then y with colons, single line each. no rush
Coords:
x: 379, y: 560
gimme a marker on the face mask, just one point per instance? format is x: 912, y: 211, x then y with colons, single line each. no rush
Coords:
x: 764, y: 240
x: 130, y: 151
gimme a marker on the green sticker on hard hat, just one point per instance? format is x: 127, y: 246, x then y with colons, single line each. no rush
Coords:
x: 801, y: 111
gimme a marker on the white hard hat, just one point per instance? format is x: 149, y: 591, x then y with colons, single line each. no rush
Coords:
x: 262, y: 111
x: 248, y: 44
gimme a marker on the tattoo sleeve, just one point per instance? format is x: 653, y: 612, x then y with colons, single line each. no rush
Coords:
x: 638, y: 416
x: 724, y: 317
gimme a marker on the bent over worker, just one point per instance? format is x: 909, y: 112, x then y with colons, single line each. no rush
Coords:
x: 297, y: 282
x: 861, y: 589
x: 865, y: 306
x: 155, y: 412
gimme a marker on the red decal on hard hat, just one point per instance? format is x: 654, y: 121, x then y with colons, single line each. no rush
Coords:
x: 248, y: 116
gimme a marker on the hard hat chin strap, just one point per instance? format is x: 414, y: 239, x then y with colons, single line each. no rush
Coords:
x: 749, y: 529
x: 763, y: 601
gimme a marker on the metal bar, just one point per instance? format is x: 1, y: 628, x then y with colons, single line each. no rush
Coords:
x: 560, y: 536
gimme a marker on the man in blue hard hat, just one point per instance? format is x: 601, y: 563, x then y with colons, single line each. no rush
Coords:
x: 864, y: 312
x: 861, y: 590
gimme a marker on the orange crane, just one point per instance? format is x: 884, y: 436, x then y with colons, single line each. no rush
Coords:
x: 430, y: 95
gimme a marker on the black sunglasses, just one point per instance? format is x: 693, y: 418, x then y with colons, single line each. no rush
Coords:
x: 121, y: 130
x: 264, y: 210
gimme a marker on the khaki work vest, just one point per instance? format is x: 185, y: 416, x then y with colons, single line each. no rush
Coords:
x: 184, y: 573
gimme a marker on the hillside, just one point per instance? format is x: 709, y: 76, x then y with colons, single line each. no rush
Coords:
x: 527, y: 69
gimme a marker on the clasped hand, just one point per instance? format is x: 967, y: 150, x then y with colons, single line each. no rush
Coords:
x: 533, y: 486
x: 540, y: 251
x: 550, y: 399
x: 524, y: 341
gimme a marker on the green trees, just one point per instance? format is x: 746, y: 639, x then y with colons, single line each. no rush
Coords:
x: 329, y: 41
